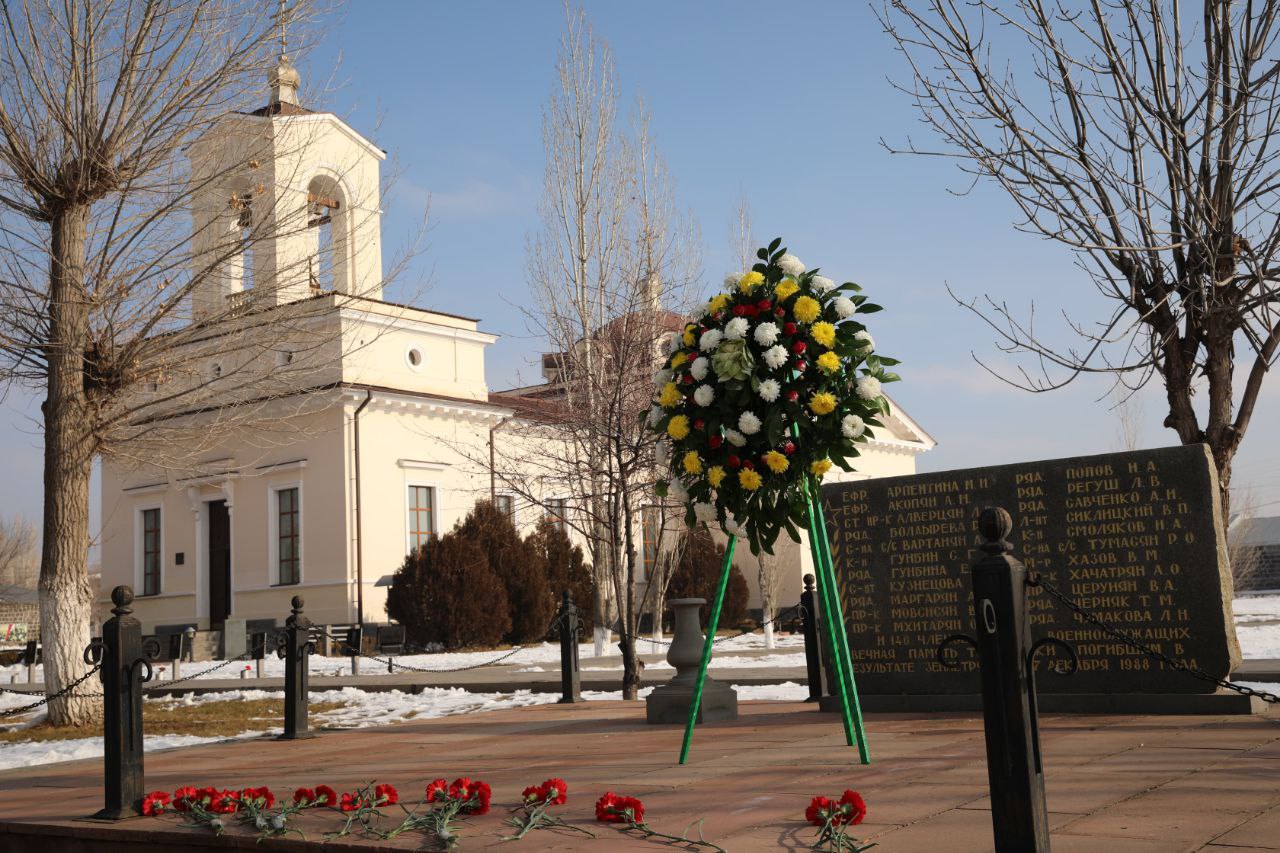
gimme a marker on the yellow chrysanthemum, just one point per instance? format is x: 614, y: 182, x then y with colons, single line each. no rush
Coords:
x: 785, y: 289
x: 824, y: 333
x: 748, y: 479
x: 821, y: 467
x: 716, y: 476
x: 692, y: 462
x: 678, y: 427
x: 776, y: 461
x: 679, y: 359
x: 670, y: 396
x: 750, y: 281
x: 822, y: 403
x: 687, y: 338
x: 829, y: 361
x: 717, y: 303
x: 807, y: 309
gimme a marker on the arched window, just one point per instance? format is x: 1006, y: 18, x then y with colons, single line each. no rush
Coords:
x: 326, y: 267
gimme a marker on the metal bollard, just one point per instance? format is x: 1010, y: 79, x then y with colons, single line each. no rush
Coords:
x: 1006, y: 656
x: 351, y: 647
x: 31, y: 656
x: 295, y: 645
x: 570, y: 630
x: 125, y: 667
x: 258, y: 647
x: 814, y: 659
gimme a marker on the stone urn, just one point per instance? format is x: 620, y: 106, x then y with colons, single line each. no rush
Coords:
x: 669, y: 703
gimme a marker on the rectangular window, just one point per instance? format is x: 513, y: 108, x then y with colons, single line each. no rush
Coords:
x: 650, y: 535
x: 288, y: 528
x: 151, y: 556
x: 558, y: 511
x: 422, y: 516
x: 505, y: 505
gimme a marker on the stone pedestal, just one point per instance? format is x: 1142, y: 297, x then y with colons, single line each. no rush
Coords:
x: 669, y: 703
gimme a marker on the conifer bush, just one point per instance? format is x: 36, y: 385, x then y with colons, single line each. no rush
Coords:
x: 447, y: 593
x: 565, y: 569
x: 698, y: 576
x: 520, y: 569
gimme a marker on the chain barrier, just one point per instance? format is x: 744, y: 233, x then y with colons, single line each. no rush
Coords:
x: 46, y: 699
x: 780, y: 617
x: 164, y: 685
x: 1036, y: 579
x: 390, y: 662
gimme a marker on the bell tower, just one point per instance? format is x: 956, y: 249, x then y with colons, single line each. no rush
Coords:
x: 285, y: 206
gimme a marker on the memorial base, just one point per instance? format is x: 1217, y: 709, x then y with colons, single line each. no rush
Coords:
x: 1224, y: 702
x: 669, y: 704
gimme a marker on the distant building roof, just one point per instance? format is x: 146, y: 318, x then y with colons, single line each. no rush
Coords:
x: 1257, y: 532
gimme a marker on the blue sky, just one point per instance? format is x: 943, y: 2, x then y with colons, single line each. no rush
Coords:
x: 782, y: 104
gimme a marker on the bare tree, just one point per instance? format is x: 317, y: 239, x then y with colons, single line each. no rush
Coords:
x: 106, y: 161
x: 1142, y: 140
x: 1128, y: 409
x: 19, y: 558
x: 769, y: 580
x: 1244, y: 558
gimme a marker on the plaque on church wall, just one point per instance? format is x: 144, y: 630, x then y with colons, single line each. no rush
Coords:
x: 1134, y: 537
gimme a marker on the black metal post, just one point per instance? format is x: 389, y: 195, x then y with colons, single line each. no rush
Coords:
x: 819, y: 684
x: 1014, y: 767
x: 570, y: 629
x: 296, y: 647
x: 124, y: 669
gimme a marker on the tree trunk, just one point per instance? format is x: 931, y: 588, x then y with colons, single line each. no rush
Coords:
x: 66, y: 600
x: 766, y: 602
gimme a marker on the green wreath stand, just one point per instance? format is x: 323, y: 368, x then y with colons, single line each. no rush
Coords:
x: 832, y: 618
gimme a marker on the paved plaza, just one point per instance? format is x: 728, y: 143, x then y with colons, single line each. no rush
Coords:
x: 1116, y: 784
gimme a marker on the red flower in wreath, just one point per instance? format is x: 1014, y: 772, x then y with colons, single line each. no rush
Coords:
x: 613, y: 808
x: 325, y: 796
x: 437, y: 790
x: 155, y: 803
x: 386, y: 795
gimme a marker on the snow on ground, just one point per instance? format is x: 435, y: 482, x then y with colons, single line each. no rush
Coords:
x: 363, y: 709
x: 1258, y: 625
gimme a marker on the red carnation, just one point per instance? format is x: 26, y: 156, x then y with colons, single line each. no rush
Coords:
x: 789, y: 329
x: 854, y: 807
x: 304, y: 797
x: 326, y: 796
x: 733, y: 460
x: 437, y: 790
x: 386, y: 795
x: 612, y: 808
x: 475, y: 794
x: 801, y: 365
x: 746, y: 463
x: 714, y: 441
x: 533, y: 794
x: 688, y: 379
x: 819, y: 810
x: 793, y: 395
x: 751, y: 310
x: 183, y: 797
x: 154, y: 803
x: 764, y: 304
x: 225, y: 802
x: 789, y: 448
x: 262, y: 796
x: 799, y: 347
x: 699, y: 423
x: 779, y: 311
x: 739, y: 310
x: 559, y: 789
x: 350, y: 802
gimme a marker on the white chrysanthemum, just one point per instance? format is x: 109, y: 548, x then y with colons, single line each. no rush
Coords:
x: 704, y: 512
x: 703, y: 395
x: 699, y: 368
x: 662, y: 377
x: 766, y: 334
x: 775, y: 356
x: 868, y: 342
x: 655, y: 415
x: 710, y: 340
x: 769, y: 390
x: 736, y: 329
x: 821, y: 283
x: 852, y: 426
x: 673, y: 343
x: 662, y: 454
x: 790, y: 264
x: 734, y: 437
x: 748, y: 423
x: 868, y: 387
x: 677, y: 492
x: 731, y: 526
x: 731, y: 281
x: 844, y: 307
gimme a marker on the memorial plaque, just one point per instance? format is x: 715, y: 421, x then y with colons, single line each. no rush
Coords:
x: 1135, y: 538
